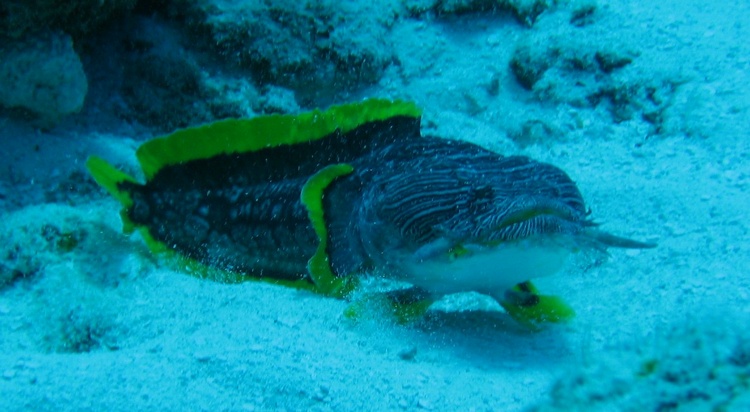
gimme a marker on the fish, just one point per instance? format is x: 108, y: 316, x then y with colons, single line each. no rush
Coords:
x: 320, y: 199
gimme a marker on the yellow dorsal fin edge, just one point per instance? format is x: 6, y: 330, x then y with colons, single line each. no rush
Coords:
x: 249, y: 135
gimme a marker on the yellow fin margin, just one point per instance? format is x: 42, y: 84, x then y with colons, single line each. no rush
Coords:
x: 249, y: 135
x: 319, y: 266
x: 524, y: 304
x: 110, y: 178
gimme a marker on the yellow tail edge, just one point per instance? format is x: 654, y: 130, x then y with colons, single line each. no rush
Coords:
x: 111, y: 179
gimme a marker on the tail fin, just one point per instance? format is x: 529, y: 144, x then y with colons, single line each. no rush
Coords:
x: 111, y: 179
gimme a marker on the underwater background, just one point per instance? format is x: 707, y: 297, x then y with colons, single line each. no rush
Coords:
x: 644, y: 104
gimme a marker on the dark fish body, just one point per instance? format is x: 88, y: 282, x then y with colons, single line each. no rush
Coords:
x: 258, y: 229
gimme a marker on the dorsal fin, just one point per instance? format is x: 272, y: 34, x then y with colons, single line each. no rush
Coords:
x: 248, y: 135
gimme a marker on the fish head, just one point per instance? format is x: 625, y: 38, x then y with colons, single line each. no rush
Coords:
x: 460, y: 227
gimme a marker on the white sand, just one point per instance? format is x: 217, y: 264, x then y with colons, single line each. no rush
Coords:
x: 103, y: 327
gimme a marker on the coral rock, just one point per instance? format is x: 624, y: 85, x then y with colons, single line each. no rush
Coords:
x: 43, y: 75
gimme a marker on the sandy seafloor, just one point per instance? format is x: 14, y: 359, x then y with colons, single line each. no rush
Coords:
x: 104, y: 327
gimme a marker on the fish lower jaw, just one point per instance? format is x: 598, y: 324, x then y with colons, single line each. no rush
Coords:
x: 491, y: 272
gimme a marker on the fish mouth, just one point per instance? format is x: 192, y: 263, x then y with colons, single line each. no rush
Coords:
x: 536, y: 220
x: 559, y: 223
x: 447, y: 251
x: 527, y: 217
x: 468, y: 249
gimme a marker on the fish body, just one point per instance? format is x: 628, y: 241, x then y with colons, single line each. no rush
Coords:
x: 356, y: 188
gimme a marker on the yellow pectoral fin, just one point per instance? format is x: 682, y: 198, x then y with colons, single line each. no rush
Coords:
x: 524, y: 304
x: 319, y: 266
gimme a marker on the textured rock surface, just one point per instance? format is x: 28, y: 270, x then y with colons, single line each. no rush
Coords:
x: 526, y: 11
x: 321, y: 49
x: 314, y: 53
x: 167, y: 84
x: 43, y: 75
x: 316, y: 48
x: 585, y: 68
x: 696, y: 369
x: 40, y: 72
x: 17, y: 18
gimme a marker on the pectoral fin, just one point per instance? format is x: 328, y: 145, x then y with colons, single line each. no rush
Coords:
x: 524, y: 304
x: 319, y: 266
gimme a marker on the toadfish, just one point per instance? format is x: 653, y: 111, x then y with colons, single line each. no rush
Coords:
x: 315, y: 200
